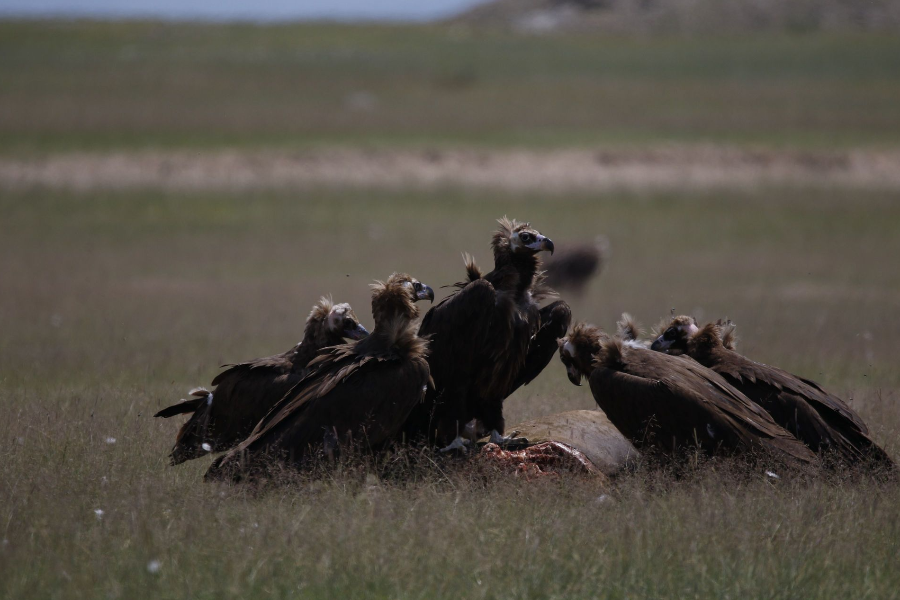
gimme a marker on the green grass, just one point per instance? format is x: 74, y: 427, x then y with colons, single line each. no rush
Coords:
x: 100, y: 86
x: 114, y: 304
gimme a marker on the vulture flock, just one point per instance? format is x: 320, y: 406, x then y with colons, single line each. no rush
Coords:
x: 441, y: 381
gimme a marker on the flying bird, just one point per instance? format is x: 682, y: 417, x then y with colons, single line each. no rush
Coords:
x: 672, y: 402
x: 574, y: 265
x: 487, y: 339
x: 245, y: 392
x: 819, y: 419
x: 360, y: 392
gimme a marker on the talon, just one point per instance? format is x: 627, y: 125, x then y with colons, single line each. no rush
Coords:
x: 459, y: 443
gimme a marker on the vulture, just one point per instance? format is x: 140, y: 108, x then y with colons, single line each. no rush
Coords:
x: 245, y: 392
x: 821, y: 420
x: 487, y: 339
x: 358, y: 392
x: 576, y: 264
x: 672, y: 402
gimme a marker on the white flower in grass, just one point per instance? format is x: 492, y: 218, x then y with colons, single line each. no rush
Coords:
x: 153, y: 566
x: 772, y: 474
x: 110, y: 440
x: 99, y: 512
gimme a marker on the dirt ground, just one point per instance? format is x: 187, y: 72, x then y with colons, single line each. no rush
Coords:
x: 661, y: 167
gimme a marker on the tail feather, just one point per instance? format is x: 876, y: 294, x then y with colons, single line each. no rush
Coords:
x: 628, y: 329
x: 201, y: 396
x: 473, y: 273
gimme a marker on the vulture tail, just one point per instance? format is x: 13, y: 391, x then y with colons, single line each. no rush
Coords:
x: 628, y: 329
x: 200, y: 395
x: 473, y: 273
x: 192, y: 440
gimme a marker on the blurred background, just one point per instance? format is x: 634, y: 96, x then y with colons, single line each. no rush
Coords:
x: 180, y: 181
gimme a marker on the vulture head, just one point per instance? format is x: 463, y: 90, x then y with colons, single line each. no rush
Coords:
x: 333, y: 322
x: 519, y: 239
x: 397, y: 297
x: 577, y: 350
x: 675, y: 336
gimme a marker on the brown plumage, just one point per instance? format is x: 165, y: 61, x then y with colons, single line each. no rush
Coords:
x: 821, y: 420
x: 628, y: 330
x: 576, y: 264
x: 488, y: 338
x: 245, y: 392
x: 672, y: 402
x: 361, y: 392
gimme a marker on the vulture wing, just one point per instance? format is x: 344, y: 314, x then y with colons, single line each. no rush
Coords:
x: 820, y: 419
x: 185, y: 406
x: 349, y: 398
x: 555, y: 320
x: 748, y: 370
x: 457, y: 329
x: 277, y: 363
x: 673, y: 401
x: 242, y: 396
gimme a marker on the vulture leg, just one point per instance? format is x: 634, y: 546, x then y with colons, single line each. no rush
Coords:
x: 555, y: 320
x: 467, y: 438
x: 460, y: 443
x: 505, y: 440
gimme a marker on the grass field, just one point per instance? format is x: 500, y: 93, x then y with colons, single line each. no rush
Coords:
x: 101, y: 86
x: 113, y: 303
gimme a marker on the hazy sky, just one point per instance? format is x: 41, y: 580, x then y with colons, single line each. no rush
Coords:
x: 240, y: 9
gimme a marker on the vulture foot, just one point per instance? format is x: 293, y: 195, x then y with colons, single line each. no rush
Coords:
x: 460, y: 443
x: 506, y: 440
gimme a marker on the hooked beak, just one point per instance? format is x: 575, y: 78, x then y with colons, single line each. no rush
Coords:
x: 660, y: 345
x: 574, y: 375
x: 357, y: 333
x: 542, y: 243
x: 424, y: 291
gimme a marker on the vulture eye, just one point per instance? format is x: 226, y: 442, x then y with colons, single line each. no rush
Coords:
x: 527, y: 238
x: 670, y: 334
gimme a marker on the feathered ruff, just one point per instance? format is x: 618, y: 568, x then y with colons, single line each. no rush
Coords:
x: 585, y: 339
x: 540, y: 290
x: 727, y: 333
x: 320, y: 310
x: 394, y: 297
x: 628, y: 329
x: 395, y: 340
x: 705, y: 340
x: 501, y: 239
x: 610, y: 354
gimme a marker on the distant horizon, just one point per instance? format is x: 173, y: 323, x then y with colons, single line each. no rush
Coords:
x: 237, y: 10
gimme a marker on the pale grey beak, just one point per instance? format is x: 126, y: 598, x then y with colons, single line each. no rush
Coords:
x: 660, y: 344
x: 574, y: 375
x: 357, y: 333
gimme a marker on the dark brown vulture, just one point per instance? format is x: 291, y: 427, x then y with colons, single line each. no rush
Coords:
x: 821, y: 420
x: 574, y: 265
x: 672, y: 402
x: 487, y: 339
x: 359, y: 392
x: 244, y: 393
